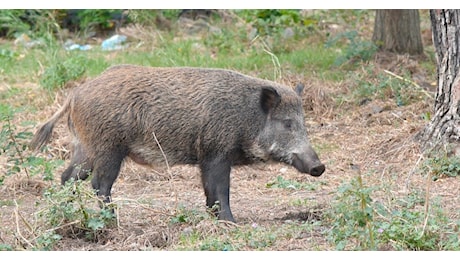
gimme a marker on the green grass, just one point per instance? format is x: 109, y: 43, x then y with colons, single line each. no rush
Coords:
x: 47, y: 64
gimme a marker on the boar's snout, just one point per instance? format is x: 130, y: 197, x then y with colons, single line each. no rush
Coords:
x: 317, y: 170
x: 314, y: 168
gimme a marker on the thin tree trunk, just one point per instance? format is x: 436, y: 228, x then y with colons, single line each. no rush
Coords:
x: 398, y: 31
x: 444, y: 127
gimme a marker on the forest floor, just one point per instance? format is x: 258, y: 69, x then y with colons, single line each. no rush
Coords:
x: 372, y: 138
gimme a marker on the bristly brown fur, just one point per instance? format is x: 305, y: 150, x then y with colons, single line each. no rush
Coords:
x: 215, y: 118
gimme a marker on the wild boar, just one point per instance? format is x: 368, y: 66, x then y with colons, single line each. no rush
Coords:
x: 213, y: 118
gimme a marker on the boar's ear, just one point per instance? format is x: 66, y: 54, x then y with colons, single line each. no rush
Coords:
x: 299, y: 89
x: 269, y: 99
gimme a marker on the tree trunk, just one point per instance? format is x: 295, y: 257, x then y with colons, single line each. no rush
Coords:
x: 398, y: 31
x: 444, y: 127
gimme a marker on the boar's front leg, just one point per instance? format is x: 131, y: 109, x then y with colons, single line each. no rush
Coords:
x: 215, y: 175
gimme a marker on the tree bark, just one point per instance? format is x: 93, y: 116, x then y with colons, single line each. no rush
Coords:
x: 398, y: 31
x: 444, y: 127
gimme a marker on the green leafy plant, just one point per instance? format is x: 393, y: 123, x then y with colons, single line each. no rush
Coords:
x: 352, y: 216
x: 11, y: 22
x: 47, y: 240
x: 103, y: 19
x: 62, y: 71
x: 409, y: 224
x: 74, y: 210
x: 14, y: 145
x: 272, y: 21
x: 71, y: 210
x: 440, y: 165
x: 35, y: 23
x: 372, y: 84
x: 355, y: 48
x: 417, y: 224
x: 184, y: 215
x: 249, y: 237
x: 12, y: 142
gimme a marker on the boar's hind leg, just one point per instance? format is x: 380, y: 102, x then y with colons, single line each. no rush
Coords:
x: 215, y: 175
x: 105, y: 171
x: 80, y: 165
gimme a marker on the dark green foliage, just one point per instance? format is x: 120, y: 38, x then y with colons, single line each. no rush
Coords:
x: 99, y: 19
x: 11, y: 22
x: 40, y: 23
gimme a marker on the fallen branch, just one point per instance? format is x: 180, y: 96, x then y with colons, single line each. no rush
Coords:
x: 411, y: 82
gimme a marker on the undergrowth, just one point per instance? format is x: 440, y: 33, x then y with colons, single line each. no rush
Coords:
x: 441, y: 164
x: 14, y: 140
x: 412, y: 223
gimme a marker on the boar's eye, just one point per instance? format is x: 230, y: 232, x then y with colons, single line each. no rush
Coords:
x: 287, y: 124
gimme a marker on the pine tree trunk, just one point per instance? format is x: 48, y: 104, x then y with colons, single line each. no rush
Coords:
x: 398, y: 31
x: 444, y: 127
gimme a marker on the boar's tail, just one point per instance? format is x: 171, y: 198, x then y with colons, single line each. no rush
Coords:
x: 43, y: 134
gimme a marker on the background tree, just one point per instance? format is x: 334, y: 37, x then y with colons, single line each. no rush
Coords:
x: 398, y: 31
x: 444, y: 127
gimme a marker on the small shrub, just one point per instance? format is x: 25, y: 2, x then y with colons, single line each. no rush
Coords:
x: 356, y: 50
x: 378, y: 85
x: 36, y: 23
x: 14, y: 145
x: 441, y: 165
x: 62, y: 71
x: 357, y: 219
x: 184, y: 215
x: 47, y: 240
x: 426, y: 227
x: 103, y: 19
x: 352, y: 217
x: 74, y: 210
x: 268, y: 21
x: 11, y: 22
